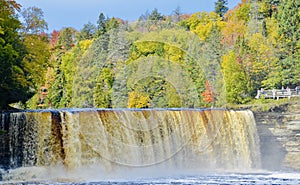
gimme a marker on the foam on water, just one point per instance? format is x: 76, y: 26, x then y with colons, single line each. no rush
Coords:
x: 123, y: 146
x: 60, y: 176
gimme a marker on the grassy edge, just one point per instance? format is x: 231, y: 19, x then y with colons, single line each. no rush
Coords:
x: 264, y: 105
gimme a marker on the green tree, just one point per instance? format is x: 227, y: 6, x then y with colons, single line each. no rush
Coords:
x: 36, y: 43
x: 118, y: 46
x: 101, y: 24
x: 60, y: 59
x: 62, y: 74
x: 87, y: 72
x: 290, y: 71
x: 112, y: 23
x: 36, y: 58
x: 258, y: 56
x: 211, y: 62
x: 155, y: 16
x: 289, y: 23
x: 269, y: 7
x: 103, y: 89
x: 87, y: 32
x: 289, y: 28
x: 67, y: 38
x: 159, y: 91
x: 221, y: 7
x: 57, y: 80
x: 33, y: 21
x: 235, y: 79
x: 117, y: 52
x: 14, y: 86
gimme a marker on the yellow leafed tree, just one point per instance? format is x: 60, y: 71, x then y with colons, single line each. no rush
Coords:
x: 138, y: 100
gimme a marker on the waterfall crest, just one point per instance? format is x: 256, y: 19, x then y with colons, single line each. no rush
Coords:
x: 130, y: 138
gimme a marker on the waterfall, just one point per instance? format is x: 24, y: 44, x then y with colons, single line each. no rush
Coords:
x: 130, y: 138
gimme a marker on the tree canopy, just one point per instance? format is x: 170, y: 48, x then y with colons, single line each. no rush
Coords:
x: 201, y: 59
x: 14, y: 84
x: 221, y: 7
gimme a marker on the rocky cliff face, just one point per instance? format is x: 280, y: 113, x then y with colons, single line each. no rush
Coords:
x: 279, y: 132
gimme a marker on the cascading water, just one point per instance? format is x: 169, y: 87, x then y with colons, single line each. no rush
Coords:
x: 181, y: 139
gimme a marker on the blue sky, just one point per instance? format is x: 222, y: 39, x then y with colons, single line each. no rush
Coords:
x: 76, y: 13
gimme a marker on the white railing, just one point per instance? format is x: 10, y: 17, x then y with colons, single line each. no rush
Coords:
x: 277, y: 93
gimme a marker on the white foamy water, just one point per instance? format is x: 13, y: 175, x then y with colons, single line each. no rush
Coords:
x: 154, y: 176
x: 134, y: 147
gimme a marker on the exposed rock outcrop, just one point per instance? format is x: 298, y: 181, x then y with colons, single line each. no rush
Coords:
x: 279, y: 132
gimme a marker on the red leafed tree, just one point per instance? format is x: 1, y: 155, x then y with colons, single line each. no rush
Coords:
x: 54, y: 38
x: 208, y: 95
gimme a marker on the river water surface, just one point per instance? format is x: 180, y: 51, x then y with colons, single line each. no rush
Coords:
x: 128, y: 147
x: 203, y: 178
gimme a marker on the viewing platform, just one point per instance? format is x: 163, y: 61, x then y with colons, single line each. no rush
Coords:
x: 278, y: 93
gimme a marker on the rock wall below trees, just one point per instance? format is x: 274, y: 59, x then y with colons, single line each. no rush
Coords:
x: 279, y: 132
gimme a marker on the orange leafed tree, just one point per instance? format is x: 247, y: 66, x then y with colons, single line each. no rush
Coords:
x: 208, y: 95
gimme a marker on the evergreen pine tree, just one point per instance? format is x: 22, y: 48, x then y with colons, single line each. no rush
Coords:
x: 221, y: 7
x: 101, y: 25
x: 289, y: 23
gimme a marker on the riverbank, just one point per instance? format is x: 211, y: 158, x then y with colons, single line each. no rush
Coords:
x: 266, y: 105
x: 278, y: 125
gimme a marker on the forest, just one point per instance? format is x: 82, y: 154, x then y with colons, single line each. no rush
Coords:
x: 204, y: 59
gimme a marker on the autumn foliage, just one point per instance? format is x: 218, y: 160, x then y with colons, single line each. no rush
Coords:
x: 157, y: 61
x: 138, y: 100
x: 208, y: 95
